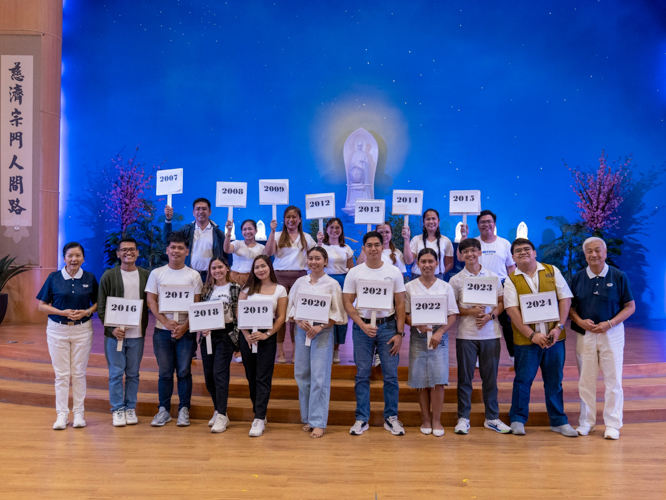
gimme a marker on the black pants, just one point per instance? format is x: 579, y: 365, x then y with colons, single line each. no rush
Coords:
x: 507, y: 331
x: 259, y: 372
x: 216, y: 368
x: 488, y: 353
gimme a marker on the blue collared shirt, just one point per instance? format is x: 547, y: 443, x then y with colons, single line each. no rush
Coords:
x: 599, y: 297
x: 65, y: 292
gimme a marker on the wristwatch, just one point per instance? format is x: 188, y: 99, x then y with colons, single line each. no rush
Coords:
x: 492, y: 316
x: 560, y: 326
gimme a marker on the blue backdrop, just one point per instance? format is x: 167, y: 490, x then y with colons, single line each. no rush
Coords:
x: 460, y: 95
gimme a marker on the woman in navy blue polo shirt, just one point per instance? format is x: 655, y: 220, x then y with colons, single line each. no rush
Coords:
x: 69, y: 297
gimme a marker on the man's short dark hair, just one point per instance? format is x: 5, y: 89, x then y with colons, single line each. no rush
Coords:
x: 201, y: 200
x: 127, y: 239
x: 469, y: 243
x: 486, y: 212
x: 178, y: 237
x: 373, y: 234
x: 521, y: 241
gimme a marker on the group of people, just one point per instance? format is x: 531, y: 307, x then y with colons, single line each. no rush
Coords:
x: 598, y: 300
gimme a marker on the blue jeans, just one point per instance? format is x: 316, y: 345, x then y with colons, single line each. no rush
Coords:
x: 174, y: 355
x: 528, y: 360
x: 364, y: 350
x: 312, y: 372
x: 340, y: 331
x: 125, y: 362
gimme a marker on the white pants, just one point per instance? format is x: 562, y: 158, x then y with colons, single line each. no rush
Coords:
x: 69, y: 347
x: 605, y: 351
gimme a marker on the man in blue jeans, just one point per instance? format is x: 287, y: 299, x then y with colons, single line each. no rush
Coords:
x: 126, y: 281
x: 386, y: 337
x: 173, y: 343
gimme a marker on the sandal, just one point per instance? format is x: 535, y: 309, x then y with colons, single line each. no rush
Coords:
x: 281, y: 359
x: 307, y: 428
x: 317, y: 435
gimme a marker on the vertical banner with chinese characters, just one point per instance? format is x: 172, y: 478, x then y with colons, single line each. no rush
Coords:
x: 16, y: 137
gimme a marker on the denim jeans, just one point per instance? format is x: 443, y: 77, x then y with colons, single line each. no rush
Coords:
x: 528, y: 360
x: 364, y: 349
x: 174, y: 355
x: 312, y: 372
x: 125, y: 362
x: 217, y: 369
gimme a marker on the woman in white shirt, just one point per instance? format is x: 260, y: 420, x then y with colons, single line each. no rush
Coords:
x: 290, y: 249
x: 391, y: 255
x: 244, y: 251
x: 340, y: 261
x: 262, y: 284
x: 216, y: 366
x: 429, y: 369
x: 312, y: 368
x: 431, y: 238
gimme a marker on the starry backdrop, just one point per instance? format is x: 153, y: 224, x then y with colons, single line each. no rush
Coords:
x: 482, y: 95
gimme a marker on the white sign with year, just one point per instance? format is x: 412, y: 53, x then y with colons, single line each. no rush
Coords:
x: 478, y: 290
x: 374, y: 295
x: 429, y: 309
x: 539, y: 307
x: 274, y: 192
x: 206, y: 316
x: 313, y: 307
x: 175, y: 298
x: 407, y: 202
x: 320, y: 206
x: 231, y: 194
x: 255, y: 314
x: 464, y: 202
x: 369, y: 211
x: 169, y: 181
x: 123, y: 312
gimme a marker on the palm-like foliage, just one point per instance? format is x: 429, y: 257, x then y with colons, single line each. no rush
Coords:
x: 7, y: 272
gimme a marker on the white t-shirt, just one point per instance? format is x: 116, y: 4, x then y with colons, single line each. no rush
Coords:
x: 279, y: 293
x: 244, y: 256
x: 325, y: 285
x: 202, y: 247
x: 166, y: 276
x: 415, y: 287
x: 292, y: 258
x: 496, y: 256
x: 467, y: 324
x: 511, y: 295
x: 387, y: 272
x: 445, y: 249
x: 131, y: 291
x: 399, y: 259
x: 337, y: 258
x: 223, y: 293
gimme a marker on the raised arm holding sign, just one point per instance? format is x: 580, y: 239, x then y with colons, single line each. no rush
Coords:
x: 169, y: 182
x: 464, y: 203
x: 407, y: 203
x: 320, y: 206
x: 274, y: 192
x: 231, y: 194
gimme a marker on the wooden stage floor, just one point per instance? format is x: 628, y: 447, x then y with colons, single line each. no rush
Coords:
x: 101, y: 461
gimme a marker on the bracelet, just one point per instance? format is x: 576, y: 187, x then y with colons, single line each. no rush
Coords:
x: 531, y: 336
x: 609, y: 322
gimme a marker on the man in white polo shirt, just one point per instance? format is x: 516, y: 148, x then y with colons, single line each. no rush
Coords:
x: 496, y: 257
x: 386, y: 337
x: 478, y: 336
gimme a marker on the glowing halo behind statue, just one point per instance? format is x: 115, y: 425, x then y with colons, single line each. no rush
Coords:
x: 360, y: 154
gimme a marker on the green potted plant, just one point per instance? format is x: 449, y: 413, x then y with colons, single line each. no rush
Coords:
x: 7, y: 272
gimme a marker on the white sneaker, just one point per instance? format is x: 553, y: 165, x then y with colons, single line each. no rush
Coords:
x: 584, y: 430
x: 394, y: 425
x: 477, y: 362
x: 61, y: 422
x: 220, y: 425
x: 377, y: 360
x: 497, y: 425
x: 462, y: 427
x: 79, y: 422
x: 119, y: 418
x: 358, y: 428
x: 130, y: 416
x: 211, y: 422
x: 161, y: 418
x: 258, y: 426
x: 336, y: 356
x: 611, y: 433
x: 183, y: 417
x: 239, y: 359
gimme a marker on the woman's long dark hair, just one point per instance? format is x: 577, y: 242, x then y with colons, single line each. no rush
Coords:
x: 210, y: 281
x: 391, y: 245
x: 285, y: 239
x: 253, y: 284
x: 341, y: 238
x: 438, y: 236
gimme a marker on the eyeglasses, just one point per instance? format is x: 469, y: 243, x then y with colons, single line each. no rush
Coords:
x: 127, y: 250
x: 520, y: 250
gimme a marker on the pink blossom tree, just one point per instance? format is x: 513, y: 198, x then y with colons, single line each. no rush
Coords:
x: 600, y: 194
